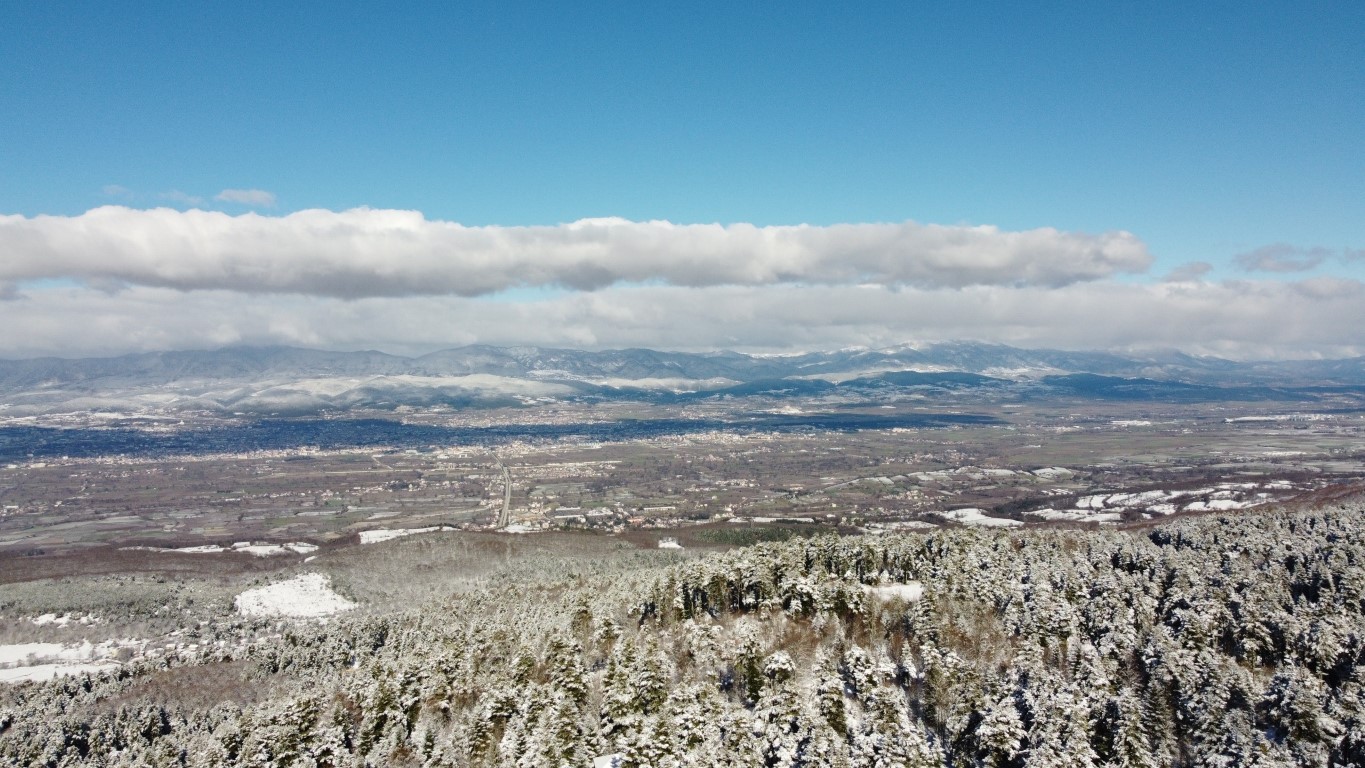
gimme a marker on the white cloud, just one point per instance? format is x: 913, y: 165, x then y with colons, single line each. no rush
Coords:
x: 116, y: 279
x: 1281, y: 257
x: 1243, y: 319
x: 183, y: 198
x: 367, y: 253
x: 254, y: 197
x: 116, y: 190
x: 1194, y: 270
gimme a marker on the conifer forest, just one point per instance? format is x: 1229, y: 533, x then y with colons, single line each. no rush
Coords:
x: 1229, y: 640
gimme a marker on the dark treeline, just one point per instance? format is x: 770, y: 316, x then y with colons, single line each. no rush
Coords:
x: 1217, y: 641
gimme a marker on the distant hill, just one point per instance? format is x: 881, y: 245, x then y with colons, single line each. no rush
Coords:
x: 286, y: 380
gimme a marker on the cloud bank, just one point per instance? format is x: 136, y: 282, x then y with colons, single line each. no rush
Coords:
x: 366, y: 253
x: 1240, y: 319
x: 118, y: 279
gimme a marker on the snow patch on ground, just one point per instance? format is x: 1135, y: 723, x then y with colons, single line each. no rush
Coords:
x: 909, y: 591
x: 305, y: 596
x: 1095, y: 501
x: 13, y: 654
x: 1223, y: 497
x: 1216, y: 505
x: 388, y: 534
x: 1077, y: 515
x: 899, y: 525
x: 43, y: 672
x: 44, y: 661
x: 267, y: 550
x: 63, y: 620
x: 974, y: 516
x: 1139, y: 499
x: 244, y: 547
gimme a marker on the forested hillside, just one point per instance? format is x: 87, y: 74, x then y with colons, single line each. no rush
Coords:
x: 1233, y: 640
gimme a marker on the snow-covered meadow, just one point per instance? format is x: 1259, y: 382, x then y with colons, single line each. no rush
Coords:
x: 308, y: 595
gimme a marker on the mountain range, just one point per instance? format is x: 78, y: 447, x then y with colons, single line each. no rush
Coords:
x: 286, y: 380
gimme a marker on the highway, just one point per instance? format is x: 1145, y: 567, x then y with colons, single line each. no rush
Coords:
x: 505, y: 518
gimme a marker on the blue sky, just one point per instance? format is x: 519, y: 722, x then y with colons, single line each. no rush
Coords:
x: 1207, y: 130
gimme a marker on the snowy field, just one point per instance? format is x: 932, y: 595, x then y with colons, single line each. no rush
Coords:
x: 974, y: 516
x: 242, y: 547
x: 388, y: 534
x: 1223, y: 497
x: 44, y: 661
x: 41, y: 672
x: 307, y: 595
